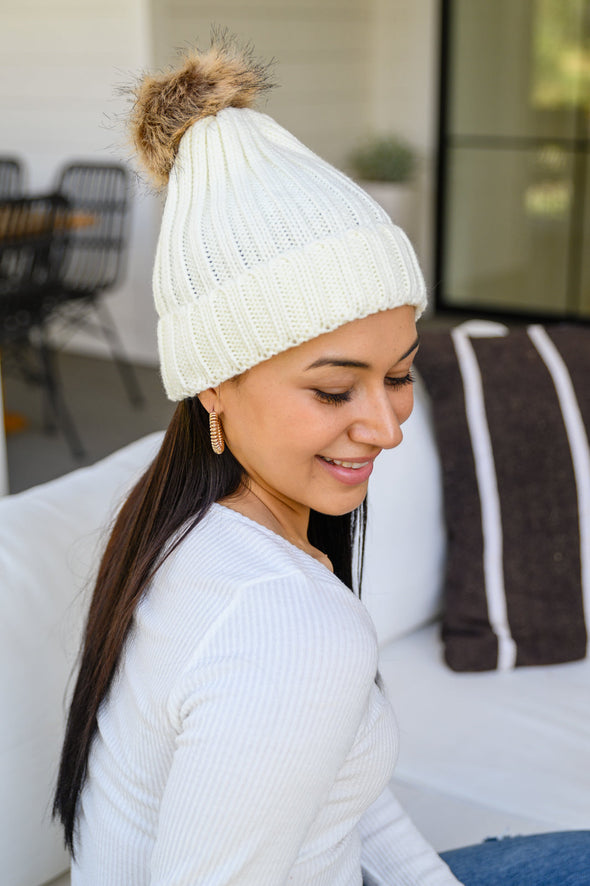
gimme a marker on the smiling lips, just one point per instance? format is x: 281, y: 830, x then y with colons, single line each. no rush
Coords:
x: 350, y: 473
x: 355, y: 465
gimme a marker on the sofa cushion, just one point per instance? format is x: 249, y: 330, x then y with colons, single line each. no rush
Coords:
x: 405, y: 541
x: 512, y: 415
x: 50, y: 539
x: 488, y: 754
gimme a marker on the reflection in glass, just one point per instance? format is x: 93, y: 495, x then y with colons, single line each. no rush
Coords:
x: 561, y: 55
x: 508, y: 230
x: 516, y: 216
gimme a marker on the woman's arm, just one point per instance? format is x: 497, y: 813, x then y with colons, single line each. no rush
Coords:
x: 265, y: 718
x: 244, y: 786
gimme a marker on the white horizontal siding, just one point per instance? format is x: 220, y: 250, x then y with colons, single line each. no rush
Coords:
x: 322, y: 59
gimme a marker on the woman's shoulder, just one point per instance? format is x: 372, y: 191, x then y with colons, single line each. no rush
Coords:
x: 234, y: 588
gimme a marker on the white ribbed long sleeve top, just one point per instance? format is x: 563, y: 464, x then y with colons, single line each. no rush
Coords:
x: 245, y: 741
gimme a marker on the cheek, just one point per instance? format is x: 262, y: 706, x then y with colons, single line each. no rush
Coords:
x: 273, y: 421
x: 303, y: 428
x: 300, y: 429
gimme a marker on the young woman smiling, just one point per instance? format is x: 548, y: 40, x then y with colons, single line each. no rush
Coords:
x: 228, y: 725
x: 307, y: 424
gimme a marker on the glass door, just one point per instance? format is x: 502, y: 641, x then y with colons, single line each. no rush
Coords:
x: 514, y: 184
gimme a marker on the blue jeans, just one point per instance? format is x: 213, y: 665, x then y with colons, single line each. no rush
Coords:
x: 560, y: 859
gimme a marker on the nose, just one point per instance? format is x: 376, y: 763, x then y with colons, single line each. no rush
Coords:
x: 381, y: 422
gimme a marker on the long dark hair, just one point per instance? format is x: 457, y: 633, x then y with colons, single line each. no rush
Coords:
x: 173, y: 495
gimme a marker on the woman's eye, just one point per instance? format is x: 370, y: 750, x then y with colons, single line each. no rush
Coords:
x: 394, y: 382
x: 334, y: 399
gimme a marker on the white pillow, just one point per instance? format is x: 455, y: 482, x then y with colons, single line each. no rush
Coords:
x: 50, y: 540
x: 406, y: 542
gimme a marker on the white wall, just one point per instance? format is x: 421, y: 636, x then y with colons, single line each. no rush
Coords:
x: 322, y: 52
x: 59, y: 63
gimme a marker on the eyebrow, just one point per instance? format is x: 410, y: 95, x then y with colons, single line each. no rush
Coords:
x: 356, y: 364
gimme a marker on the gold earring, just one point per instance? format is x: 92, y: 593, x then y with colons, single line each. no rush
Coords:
x: 216, y: 433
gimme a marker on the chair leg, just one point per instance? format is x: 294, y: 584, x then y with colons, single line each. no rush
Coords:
x: 55, y: 400
x: 113, y: 339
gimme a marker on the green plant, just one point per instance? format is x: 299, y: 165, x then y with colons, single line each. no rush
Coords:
x: 384, y: 158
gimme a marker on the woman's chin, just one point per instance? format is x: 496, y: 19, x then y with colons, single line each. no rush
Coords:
x: 339, y: 509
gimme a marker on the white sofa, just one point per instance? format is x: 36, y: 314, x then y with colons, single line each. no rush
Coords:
x: 481, y: 754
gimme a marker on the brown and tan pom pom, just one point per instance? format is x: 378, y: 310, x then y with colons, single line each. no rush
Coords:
x: 226, y: 75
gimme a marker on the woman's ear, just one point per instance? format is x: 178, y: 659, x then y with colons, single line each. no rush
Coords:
x: 210, y: 399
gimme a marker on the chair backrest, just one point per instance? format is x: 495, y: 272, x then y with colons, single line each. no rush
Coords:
x: 99, y: 198
x: 33, y: 237
x: 33, y: 244
x: 11, y: 177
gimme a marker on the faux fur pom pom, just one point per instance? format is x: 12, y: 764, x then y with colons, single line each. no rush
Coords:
x: 166, y: 105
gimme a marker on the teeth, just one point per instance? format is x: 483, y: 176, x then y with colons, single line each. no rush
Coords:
x: 346, y: 464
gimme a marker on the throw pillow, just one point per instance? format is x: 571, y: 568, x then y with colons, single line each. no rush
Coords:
x: 512, y: 417
x: 405, y: 540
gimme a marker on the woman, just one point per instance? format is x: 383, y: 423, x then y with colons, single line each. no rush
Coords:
x: 227, y: 725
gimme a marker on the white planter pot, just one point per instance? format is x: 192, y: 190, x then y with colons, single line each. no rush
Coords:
x: 397, y: 199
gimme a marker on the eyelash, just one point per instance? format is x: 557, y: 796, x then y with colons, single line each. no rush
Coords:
x: 338, y: 399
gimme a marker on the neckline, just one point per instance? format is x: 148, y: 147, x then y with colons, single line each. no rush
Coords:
x: 270, y: 533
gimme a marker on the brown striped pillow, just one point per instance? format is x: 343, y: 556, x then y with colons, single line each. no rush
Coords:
x: 511, y: 411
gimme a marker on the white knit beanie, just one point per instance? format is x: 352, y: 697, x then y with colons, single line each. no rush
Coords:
x: 263, y: 245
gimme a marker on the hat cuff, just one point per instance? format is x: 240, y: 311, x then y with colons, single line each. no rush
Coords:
x: 284, y: 302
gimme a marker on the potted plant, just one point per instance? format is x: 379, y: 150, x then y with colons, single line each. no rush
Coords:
x: 385, y: 167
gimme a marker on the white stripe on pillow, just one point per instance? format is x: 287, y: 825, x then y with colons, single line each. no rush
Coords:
x: 488, y: 494
x: 578, y: 442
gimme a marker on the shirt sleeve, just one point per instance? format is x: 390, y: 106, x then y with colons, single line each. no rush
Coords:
x: 264, y: 721
x: 394, y: 853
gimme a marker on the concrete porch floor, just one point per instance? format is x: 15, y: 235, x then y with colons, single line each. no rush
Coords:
x: 101, y: 411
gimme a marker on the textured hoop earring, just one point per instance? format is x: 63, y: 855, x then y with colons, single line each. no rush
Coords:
x: 216, y: 433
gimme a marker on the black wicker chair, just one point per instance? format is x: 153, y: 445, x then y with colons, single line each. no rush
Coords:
x: 98, y: 195
x: 33, y: 247
x: 11, y: 177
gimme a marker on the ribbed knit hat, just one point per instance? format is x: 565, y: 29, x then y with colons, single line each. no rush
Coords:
x: 263, y: 245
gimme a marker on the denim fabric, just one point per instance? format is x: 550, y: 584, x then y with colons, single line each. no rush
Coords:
x: 558, y: 859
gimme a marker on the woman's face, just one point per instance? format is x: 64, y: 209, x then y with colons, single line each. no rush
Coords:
x: 307, y: 424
